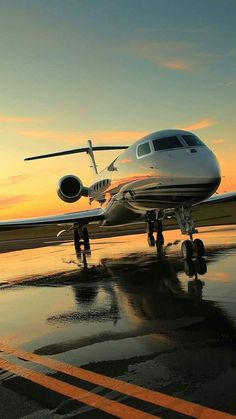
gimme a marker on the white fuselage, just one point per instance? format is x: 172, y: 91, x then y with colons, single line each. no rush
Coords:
x: 165, y: 169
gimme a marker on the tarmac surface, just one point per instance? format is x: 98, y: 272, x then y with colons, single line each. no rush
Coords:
x: 135, y: 334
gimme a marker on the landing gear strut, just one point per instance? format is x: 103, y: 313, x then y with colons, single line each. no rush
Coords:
x: 150, y: 231
x: 190, y: 247
x: 154, y: 224
x: 81, y: 238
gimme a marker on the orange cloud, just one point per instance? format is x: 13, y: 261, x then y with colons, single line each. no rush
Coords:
x: 204, y: 123
x: 6, y: 202
x: 166, y: 54
x: 82, y: 136
x: 17, y: 119
x: 176, y: 65
x: 13, y: 180
x: 218, y: 141
x: 178, y: 56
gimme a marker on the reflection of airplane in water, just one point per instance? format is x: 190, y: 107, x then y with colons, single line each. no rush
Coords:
x: 86, y: 294
x: 151, y: 290
x: 154, y: 292
x: 162, y: 176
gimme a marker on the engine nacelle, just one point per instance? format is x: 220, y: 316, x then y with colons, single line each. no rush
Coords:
x: 70, y: 188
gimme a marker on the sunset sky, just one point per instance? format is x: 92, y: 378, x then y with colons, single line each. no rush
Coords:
x: 110, y: 70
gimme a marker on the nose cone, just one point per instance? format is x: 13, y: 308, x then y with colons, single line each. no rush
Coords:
x: 191, y: 173
x: 200, y: 166
x: 209, y: 171
x: 208, y: 166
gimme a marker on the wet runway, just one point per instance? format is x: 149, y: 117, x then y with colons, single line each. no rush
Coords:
x: 163, y: 329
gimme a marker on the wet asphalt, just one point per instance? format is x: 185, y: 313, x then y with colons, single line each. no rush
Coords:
x: 147, y: 319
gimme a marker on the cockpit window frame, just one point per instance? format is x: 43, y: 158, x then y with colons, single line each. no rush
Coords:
x: 147, y: 154
x: 192, y: 146
x: 170, y: 148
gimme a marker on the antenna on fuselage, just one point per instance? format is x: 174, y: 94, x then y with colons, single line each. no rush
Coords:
x: 91, y: 154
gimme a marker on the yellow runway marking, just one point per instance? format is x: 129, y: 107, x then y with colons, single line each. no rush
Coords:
x: 99, y: 402
x: 154, y: 397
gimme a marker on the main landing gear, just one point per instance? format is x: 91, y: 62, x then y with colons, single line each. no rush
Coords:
x: 82, y: 245
x: 154, y: 224
x: 189, y: 247
x: 81, y: 238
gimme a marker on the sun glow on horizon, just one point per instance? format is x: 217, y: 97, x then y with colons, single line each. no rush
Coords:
x: 73, y: 71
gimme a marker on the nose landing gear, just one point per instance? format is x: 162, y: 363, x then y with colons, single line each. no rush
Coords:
x: 189, y: 247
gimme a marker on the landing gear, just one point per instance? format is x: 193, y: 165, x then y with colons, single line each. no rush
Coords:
x: 192, y: 248
x: 77, y: 242
x: 189, y: 247
x: 193, y: 268
x: 154, y: 224
x: 82, y: 245
x: 199, y: 248
x: 81, y: 238
x: 150, y: 231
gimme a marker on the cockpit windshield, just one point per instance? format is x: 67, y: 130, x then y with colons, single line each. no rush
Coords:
x: 192, y: 140
x: 166, y: 143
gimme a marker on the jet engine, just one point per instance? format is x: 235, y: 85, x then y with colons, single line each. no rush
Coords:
x: 70, y: 188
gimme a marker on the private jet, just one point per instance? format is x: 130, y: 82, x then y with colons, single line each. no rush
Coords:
x: 166, y: 175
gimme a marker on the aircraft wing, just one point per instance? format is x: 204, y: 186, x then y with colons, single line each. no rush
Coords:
x: 68, y: 219
x: 219, y: 209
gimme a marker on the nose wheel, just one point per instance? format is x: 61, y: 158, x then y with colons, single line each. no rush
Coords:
x: 198, y: 248
x: 187, y: 249
x: 192, y: 248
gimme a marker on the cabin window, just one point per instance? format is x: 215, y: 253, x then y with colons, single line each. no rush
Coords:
x: 192, y: 140
x: 166, y: 143
x: 143, y: 149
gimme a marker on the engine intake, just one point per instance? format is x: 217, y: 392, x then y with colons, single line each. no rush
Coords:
x: 70, y: 188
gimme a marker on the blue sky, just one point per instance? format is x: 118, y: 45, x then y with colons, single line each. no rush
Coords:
x: 110, y: 69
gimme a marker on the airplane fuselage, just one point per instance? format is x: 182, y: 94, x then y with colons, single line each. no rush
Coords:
x: 165, y: 169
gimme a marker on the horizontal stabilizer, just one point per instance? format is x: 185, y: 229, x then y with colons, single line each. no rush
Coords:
x: 79, y: 150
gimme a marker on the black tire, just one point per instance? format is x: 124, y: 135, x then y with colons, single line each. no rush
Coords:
x: 151, y: 240
x: 77, y: 242
x: 160, y: 239
x: 150, y: 227
x: 86, y: 239
x: 159, y: 227
x: 199, y: 248
x: 187, y: 249
x: 201, y: 266
x: 159, y: 247
x: 189, y: 268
